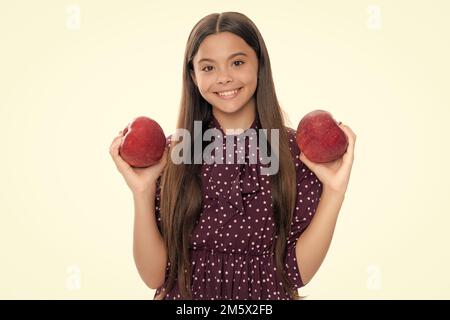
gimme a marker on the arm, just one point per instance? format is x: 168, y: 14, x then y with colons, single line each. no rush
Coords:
x: 313, y: 244
x: 148, y: 246
x: 149, y: 251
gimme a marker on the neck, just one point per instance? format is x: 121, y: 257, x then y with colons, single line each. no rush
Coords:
x: 239, y: 120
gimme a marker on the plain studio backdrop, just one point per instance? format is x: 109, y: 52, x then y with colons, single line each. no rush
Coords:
x: 74, y: 73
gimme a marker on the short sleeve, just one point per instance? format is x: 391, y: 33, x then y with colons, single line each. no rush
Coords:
x: 308, y: 192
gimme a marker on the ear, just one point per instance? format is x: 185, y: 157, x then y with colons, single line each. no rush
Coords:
x: 193, y: 76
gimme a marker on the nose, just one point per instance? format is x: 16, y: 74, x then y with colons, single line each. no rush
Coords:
x: 224, y: 78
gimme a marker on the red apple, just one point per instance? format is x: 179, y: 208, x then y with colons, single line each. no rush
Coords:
x: 143, y: 143
x: 320, y: 138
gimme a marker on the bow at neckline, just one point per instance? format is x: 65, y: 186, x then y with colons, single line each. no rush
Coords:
x: 230, y: 182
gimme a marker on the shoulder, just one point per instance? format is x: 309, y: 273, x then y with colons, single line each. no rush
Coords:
x: 291, y: 133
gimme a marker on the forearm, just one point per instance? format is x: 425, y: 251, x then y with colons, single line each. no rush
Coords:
x: 149, y: 250
x: 313, y: 244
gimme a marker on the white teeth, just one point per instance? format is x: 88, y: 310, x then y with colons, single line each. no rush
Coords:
x: 228, y: 93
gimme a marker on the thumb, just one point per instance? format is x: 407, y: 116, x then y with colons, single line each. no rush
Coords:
x: 311, y: 165
x: 121, y: 164
x: 163, y: 161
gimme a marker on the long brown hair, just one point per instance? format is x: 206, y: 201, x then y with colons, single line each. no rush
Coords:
x: 181, y: 183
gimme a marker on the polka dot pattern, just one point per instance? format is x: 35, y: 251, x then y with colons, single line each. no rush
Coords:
x: 230, y: 244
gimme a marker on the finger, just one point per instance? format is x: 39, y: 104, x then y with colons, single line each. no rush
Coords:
x: 351, y: 136
x: 349, y: 154
x: 163, y: 161
x: 305, y: 160
x: 348, y: 157
x: 113, y: 143
x: 348, y: 130
x: 166, y: 152
x: 114, y: 148
x: 121, y: 164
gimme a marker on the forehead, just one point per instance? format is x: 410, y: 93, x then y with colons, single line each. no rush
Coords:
x: 221, y: 45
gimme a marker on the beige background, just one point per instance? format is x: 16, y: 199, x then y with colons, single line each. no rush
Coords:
x: 68, y: 85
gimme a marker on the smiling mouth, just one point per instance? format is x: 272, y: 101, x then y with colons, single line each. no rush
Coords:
x: 229, y: 96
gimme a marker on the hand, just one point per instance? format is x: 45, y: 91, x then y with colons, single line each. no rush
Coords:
x: 139, y: 180
x: 335, y: 175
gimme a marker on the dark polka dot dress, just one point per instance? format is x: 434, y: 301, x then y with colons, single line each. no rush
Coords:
x: 230, y: 244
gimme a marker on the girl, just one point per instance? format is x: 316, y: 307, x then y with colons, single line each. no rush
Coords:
x: 225, y: 231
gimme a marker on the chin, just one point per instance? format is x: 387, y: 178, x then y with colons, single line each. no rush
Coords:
x: 228, y: 109
x: 228, y: 106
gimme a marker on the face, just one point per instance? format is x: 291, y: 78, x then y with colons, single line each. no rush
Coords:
x: 218, y: 70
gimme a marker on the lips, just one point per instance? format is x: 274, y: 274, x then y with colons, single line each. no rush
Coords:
x: 228, y: 97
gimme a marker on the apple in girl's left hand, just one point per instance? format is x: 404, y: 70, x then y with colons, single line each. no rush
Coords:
x: 143, y: 143
x: 320, y: 138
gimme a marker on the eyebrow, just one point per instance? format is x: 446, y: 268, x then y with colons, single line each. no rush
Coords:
x: 230, y: 57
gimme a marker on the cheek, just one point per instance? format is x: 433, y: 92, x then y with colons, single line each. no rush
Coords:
x: 251, y: 81
x: 249, y: 76
x: 204, y: 84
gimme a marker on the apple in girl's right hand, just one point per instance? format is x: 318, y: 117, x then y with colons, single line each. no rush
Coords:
x: 143, y: 143
x: 320, y: 138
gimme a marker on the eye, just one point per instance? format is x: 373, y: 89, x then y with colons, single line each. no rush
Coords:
x: 234, y: 62
x: 205, y: 68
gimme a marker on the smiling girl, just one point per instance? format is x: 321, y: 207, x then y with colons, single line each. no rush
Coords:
x: 227, y: 231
